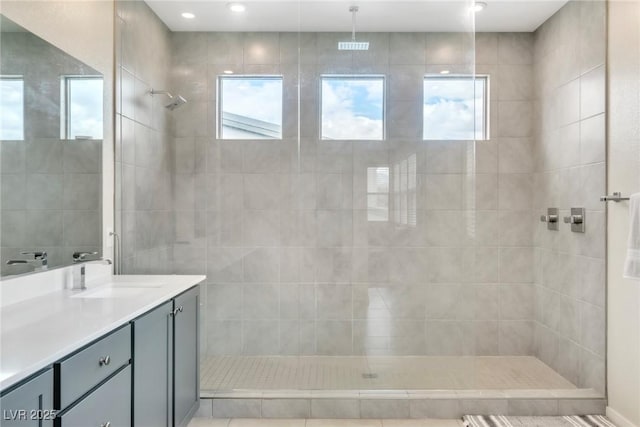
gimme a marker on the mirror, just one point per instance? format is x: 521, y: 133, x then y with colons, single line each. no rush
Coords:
x: 51, y: 130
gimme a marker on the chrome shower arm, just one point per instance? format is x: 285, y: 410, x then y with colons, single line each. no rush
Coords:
x: 161, y: 92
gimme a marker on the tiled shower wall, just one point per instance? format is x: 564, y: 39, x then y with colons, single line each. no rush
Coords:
x: 51, y: 188
x: 280, y: 226
x: 144, y: 157
x: 570, y: 172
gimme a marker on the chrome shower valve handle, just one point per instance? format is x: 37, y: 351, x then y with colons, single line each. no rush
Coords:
x: 576, y: 219
x: 551, y: 218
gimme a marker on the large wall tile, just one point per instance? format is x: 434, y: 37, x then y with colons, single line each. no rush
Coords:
x: 570, y: 152
x: 293, y: 242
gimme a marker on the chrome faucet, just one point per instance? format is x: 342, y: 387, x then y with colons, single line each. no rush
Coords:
x: 80, y: 261
x: 39, y: 259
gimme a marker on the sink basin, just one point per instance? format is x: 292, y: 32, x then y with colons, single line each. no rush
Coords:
x: 118, y: 290
x: 111, y: 292
x: 136, y: 285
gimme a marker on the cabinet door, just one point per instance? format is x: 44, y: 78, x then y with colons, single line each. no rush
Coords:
x: 30, y: 404
x: 186, y: 356
x: 108, y: 405
x: 153, y: 368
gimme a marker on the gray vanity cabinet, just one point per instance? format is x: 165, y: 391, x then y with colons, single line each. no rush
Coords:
x: 166, y: 385
x: 186, y: 356
x: 30, y: 404
x: 153, y: 368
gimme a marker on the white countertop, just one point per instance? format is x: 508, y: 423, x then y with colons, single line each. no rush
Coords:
x: 36, y: 332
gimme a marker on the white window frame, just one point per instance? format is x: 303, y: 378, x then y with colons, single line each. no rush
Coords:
x: 382, y: 77
x: 486, y: 102
x: 219, y: 104
x: 404, y: 188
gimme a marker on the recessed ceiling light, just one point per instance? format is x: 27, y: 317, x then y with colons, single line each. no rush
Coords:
x: 237, y: 7
x: 479, y: 6
x: 445, y: 72
x: 228, y: 72
x: 188, y: 15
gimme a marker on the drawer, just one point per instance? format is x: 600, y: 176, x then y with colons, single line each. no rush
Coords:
x: 108, y: 405
x: 86, y: 369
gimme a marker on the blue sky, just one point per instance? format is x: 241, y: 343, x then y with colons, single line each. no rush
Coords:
x: 352, y: 108
x: 86, y: 103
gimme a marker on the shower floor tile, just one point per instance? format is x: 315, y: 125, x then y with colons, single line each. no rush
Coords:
x: 226, y: 373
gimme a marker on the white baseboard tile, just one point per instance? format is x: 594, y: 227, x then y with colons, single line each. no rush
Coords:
x: 618, y: 419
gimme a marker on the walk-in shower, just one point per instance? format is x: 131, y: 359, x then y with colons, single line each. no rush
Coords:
x: 388, y: 235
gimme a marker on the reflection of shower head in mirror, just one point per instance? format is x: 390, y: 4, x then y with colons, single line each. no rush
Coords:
x: 176, y: 101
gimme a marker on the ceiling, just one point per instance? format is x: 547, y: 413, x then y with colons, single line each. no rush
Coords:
x: 374, y: 15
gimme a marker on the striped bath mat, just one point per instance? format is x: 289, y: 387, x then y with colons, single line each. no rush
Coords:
x: 568, y: 421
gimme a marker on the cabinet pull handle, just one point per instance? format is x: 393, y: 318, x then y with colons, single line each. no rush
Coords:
x: 177, y: 310
x: 107, y: 424
x: 104, y: 361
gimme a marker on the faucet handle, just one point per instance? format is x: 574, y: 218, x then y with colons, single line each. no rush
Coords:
x: 36, y: 254
x: 81, y: 256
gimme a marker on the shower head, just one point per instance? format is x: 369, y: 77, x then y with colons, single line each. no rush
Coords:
x: 176, y: 101
x: 353, y: 44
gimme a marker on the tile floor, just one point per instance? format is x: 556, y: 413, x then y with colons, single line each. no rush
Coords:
x: 208, y: 422
x: 228, y: 373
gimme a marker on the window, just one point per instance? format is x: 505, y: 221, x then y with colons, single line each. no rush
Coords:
x: 11, y: 108
x: 250, y: 107
x: 81, y: 116
x: 378, y: 194
x: 405, y: 209
x: 455, y: 108
x: 352, y: 107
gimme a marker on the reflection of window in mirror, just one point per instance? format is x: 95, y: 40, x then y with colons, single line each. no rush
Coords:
x: 404, y: 191
x: 250, y: 107
x: 352, y: 107
x: 81, y: 115
x: 455, y: 107
x: 11, y: 108
x: 378, y: 194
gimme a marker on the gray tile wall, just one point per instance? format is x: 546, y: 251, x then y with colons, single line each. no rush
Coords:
x: 144, y: 158
x: 280, y: 227
x: 570, y: 172
x: 51, y: 188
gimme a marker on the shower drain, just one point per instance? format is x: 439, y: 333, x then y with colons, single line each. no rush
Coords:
x: 369, y: 376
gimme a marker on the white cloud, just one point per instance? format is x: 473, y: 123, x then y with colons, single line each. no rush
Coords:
x: 257, y: 98
x: 86, y: 108
x: 340, y: 117
x: 452, y: 109
x: 11, y: 109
